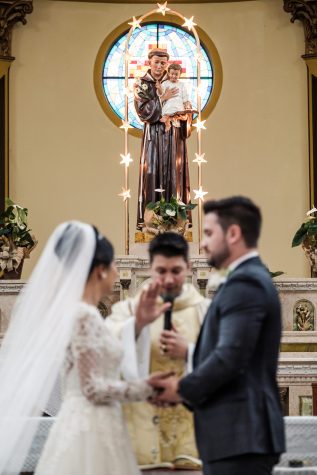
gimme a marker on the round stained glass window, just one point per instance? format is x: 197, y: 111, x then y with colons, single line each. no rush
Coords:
x: 181, y: 46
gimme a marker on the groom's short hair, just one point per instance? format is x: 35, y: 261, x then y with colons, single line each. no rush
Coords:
x: 168, y: 244
x: 238, y: 210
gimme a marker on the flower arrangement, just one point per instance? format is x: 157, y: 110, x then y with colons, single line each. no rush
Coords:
x: 142, y: 90
x: 16, y: 242
x: 163, y: 216
x: 306, y: 235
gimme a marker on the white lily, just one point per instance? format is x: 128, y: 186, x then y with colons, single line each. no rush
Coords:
x: 312, y: 211
x: 170, y: 212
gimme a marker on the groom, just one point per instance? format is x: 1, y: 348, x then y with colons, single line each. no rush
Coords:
x: 232, y: 389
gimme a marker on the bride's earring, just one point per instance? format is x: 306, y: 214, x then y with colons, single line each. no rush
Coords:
x: 103, y: 274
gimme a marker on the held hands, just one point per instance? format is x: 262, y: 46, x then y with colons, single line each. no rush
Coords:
x: 148, y: 308
x: 173, y: 344
x: 166, y: 385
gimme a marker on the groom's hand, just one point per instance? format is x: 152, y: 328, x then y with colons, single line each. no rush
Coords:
x: 155, y: 380
x: 168, y: 387
x: 149, y: 308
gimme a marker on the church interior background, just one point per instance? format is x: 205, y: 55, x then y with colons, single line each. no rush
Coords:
x: 61, y: 150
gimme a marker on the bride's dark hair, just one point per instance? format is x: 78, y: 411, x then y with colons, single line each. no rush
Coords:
x: 104, y: 252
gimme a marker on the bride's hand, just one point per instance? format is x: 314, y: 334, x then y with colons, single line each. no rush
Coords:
x: 155, y: 379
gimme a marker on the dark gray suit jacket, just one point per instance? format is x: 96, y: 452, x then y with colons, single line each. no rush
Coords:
x: 233, y: 390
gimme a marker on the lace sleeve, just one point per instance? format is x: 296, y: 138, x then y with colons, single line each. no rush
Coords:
x: 88, y: 349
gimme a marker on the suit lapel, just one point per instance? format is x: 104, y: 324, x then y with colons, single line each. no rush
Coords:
x: 211, y: 309
x: 208, y: 316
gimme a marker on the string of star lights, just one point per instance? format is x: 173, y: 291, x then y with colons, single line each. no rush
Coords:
x: 126, y: 159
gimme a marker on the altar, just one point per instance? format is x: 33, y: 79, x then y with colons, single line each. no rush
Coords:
x: 297, y: 374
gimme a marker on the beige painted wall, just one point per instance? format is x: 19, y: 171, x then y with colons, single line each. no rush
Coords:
x: 65, y: 151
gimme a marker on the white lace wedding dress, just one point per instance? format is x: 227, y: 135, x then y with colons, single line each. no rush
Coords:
x: 89, y: 436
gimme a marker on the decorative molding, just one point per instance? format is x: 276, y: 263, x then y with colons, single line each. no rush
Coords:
x: 11, y: 12
x: 298, y: 369
x: 11, y: 287
x: 304, y: 316
x: 299, y: 374
x: 125, y: 283
x: 296, y: 285
x: 306, y: 12
x: 134, y: 262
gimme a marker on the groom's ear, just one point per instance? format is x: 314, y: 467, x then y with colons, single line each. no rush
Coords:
x: 234, y: 233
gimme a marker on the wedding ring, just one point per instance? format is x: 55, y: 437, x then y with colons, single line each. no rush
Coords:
x: 164, y: 348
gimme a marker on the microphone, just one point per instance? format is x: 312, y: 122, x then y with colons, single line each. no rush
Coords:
x: 168, y: 313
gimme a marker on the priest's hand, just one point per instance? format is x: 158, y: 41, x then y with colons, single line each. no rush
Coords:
x: 149, y: 308
x: 173, y: 344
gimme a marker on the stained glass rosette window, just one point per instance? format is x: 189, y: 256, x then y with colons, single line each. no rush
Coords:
x: 181, y: 47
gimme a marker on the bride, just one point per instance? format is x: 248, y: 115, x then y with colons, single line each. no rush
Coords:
x: 56, y: 325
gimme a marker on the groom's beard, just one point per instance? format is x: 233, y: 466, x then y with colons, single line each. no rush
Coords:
x: 219, y: 257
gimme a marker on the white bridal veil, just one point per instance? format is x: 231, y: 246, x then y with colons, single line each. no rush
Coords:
x: 34, y: 346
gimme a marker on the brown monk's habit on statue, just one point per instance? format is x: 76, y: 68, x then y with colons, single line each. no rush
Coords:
x: 164, y: 161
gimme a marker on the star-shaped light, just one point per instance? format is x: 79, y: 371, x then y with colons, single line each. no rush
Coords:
x: 159, y: 190
x: 189, y: 22
x: 200, y: 124
x: 125, y: 194
x: 162, y: 8
x: 125, y: 125
x: 126, y: 159
x: 200, y: 158
x: 199, y: 194
x: 135, y: 23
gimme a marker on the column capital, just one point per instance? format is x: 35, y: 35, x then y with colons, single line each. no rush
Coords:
x: 306, y: 12
x: 11, y: 12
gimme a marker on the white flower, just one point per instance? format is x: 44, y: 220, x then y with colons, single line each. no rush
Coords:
x: 138, y: 90
x: 217, y: 278
x: 170, y: 212
x: 144, y: 87
x: 312, y: 211
x: 138, y: 82
x: 180, y: 203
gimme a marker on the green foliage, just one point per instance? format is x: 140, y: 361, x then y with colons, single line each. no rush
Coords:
x: 170, y: 211
x: 13, y: 225
x: 308, y: 228
x: 276, y: 274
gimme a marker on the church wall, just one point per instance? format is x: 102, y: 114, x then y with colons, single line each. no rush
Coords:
x: 65, y: 151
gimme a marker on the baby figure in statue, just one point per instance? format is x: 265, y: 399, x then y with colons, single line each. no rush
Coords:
x: 177, y: 104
